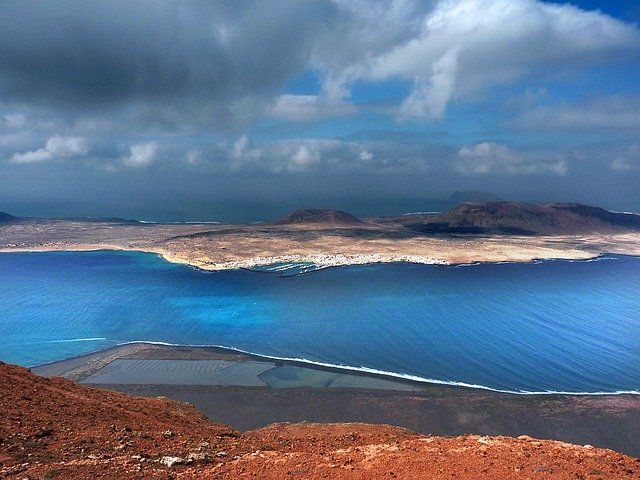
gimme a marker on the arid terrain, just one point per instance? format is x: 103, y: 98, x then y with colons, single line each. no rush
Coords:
x: 54, y: 428
x: 470, y: 233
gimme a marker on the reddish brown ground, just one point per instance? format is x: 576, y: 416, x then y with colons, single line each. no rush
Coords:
x: 54, y: 428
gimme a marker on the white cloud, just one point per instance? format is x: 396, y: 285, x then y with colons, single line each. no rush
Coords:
x: 622, y: 165
x: 462, y: 48
x: 365, y: 156
x: 303, y: 155
x: 240, y: 147
x: 243, y: 154
x: 430, y: 95
x: 303, y: 158
x: 305, y: 108
x: 192, y: 157
x: 609, y: 113
x: 141, y: 155
x: 15, y: 120
x: 493, y: 158
x: 55, y: 148
x: 627, y: 162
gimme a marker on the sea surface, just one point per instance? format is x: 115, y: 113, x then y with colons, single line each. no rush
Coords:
x: 552, y: 326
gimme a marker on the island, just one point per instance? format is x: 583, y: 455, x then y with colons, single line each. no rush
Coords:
x: 56, y: 428
x: 469, y: 233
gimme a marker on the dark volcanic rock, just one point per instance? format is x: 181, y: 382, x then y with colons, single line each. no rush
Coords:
x: 319, y: 216
x: 512, y: 218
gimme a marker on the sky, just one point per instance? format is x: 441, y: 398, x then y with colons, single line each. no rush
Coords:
x: 240, y: 110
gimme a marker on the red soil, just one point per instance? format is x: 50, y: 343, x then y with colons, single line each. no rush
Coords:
x: 54, y: 428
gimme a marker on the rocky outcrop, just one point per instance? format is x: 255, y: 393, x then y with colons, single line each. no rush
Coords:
x: 512, y: 218
x: 54, y: 428
x: 319, y: 216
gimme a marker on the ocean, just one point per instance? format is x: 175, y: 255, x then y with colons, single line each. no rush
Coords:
x: 550, y: 326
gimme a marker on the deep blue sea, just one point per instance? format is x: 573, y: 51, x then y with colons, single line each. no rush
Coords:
x: 550, y: 326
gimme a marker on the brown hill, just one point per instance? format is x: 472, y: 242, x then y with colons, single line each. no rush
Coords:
x: 526, y: 219
x: 322, y: 216
x: 53, y: 428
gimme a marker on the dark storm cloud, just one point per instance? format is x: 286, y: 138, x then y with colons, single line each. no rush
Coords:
x: 155, y: 104
x: 215, y: 59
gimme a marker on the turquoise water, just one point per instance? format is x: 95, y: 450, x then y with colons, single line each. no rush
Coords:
x: 550, y: 326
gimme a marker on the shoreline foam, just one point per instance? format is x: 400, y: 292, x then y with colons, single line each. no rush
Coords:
x: 318, y: 260
x: 364, y: 371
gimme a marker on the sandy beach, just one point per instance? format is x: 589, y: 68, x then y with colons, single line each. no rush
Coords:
x: 609, y: 421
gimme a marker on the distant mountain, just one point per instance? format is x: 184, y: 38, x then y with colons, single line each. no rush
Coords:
x: 512, y: 218
x: 473, y: 196
x: 6, y: 218
x: 319, y: 216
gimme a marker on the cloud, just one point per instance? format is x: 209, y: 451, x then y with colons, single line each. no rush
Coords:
x: 15, y: 120
x: 160, y: 62
x: 490, y: 158
x: 141, y: 155
x: 303, y: 158
x: 306, y: 108
x: 178, y: 65
x: 430, y: 95
x: 365, y: 156
x: 607, y: 113
x: 306, y: 155
x: 280, y: 156
x: 628, y: 161
x: 243, y: 153
x: 193, y: 157
x: 623, y: 165
x: 55, y: 148
x: 462, y: 48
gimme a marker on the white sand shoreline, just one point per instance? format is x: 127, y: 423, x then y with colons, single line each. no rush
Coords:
x: 319, y: 260
x: 219, y: 247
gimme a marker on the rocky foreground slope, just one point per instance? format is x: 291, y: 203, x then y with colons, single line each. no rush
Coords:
x: 54, y: 428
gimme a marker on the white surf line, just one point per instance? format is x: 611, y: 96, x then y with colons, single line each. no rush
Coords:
x: 71, y: 340
x: 402, y: 376
x: 92, y: 339
x: 419, y: 213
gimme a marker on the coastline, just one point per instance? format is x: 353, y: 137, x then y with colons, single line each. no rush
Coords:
x: 320, y: 260
x: 214, y: 247
x: 82, y: 366
x: 609, y: 420
x: 606, y: 420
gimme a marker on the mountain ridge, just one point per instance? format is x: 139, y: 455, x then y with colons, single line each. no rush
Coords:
x: 519, y: 218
